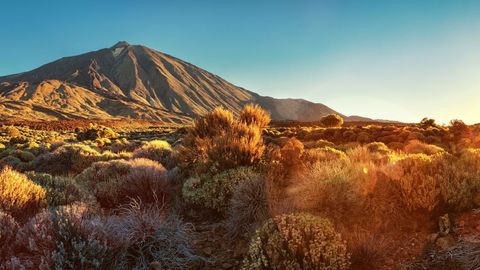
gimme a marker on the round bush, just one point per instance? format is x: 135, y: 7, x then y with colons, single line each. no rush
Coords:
x: 297, y: 241
x: 332, y: 120
x: 214, y: 192
x: 157, y: 150
x: 116, y: 182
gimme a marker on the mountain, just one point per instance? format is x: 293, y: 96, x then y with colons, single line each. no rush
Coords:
x: 133, y: 81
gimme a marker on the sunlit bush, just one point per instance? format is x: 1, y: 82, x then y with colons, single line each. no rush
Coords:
x: 418, y: 178
x: 214, y: 192
x: 18, y: 195
x: 218, y: 139
x: 157, y: 150
x: 297, y: 241
x: 95, y: 132
x: 418, y: 147
x: 253, y: 114
x: 115, y: 182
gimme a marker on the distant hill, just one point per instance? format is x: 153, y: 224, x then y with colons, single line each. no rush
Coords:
x: 133, y: 81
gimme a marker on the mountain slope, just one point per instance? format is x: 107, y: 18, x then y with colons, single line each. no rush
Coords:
x: 137, y: 82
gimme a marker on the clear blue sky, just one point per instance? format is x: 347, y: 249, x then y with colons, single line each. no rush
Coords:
x: 384, y: 59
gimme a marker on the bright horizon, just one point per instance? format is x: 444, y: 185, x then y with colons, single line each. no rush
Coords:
x: 398, y: 60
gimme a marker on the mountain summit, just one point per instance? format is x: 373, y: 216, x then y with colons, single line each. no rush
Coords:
x: 136, y: 82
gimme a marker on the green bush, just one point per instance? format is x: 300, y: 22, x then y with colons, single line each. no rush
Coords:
x: 59, y: 190
x: 297, y: 241
x: 214, y: 192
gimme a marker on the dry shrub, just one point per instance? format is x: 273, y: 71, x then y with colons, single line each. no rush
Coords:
x: 141, y: 234
x: 114, y: 182
x: 322, y: 154
x: 417, y: 176
x: 297, y: 241
x: 461, y: 179
x: 367, y: 249
x: 463, y: 255
x: 156, y: 150
x: 337, y: 187
x: 214, y: 191
x: 418, y: 147
x: 253, y: 114
x: 217, y: 139
x: 286, y: 162
x: 378, y: 147
x: 248, y: 207
x: 18, y: 195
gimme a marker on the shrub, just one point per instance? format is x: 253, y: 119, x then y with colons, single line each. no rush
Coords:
x: 378, y: 147
x: 297, y: 241
x: 115, y: 182
x: 32, y: 245
x: 217, y: 139
x: 427, y: 122
x: 214, y: 192
x: 94, y: 132
x: 75, y: 249
x: 155, y: 150
x: 11, y: 131
x: 337, y: 187
x: 248, y: 207
x: 253, y: 114
x: 332, y: 120
x: 461, y: 179
x: 18, y: 195
x: 8, y: 232
x: 59, y: 190
x: 418, y: 147
x: 66, y: 159
x: 418, y: 178
x: 140, y: 235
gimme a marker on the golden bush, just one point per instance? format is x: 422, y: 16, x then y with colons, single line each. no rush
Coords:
x: 218, y: 139
x: 253, y: 114
x: 417, y: 176
x: 18, y: 195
